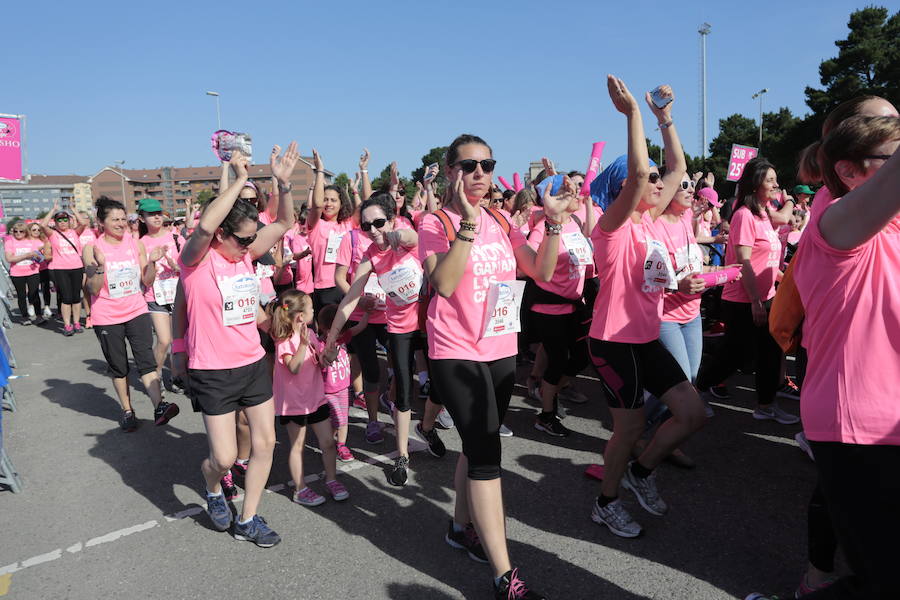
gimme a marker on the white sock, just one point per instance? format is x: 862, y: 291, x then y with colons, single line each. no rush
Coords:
x: 242, y: 461
x: 245, y: 522
x: 209, y: 494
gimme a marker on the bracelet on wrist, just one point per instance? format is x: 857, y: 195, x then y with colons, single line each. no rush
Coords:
x: 284, y: 189
x: 552, y: 228
x: 363, y: 170
x: 666, y: 125
x: 468, y: 226
x: 465, y: 238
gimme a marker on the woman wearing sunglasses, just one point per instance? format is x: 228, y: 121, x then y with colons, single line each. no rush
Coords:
x: 35, y: 232
x: 67, y: 269
x: 117, y: 266
x: 471, y: 327
x: 226, y: 363
x: 161, y: 295
x: 634, y: 269
x: 24, y: 255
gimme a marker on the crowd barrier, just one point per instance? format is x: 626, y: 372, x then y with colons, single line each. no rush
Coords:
x: 9, y: 477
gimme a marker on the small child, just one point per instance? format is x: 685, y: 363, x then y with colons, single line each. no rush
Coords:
x: 299, y: 392
x: 337, y: 378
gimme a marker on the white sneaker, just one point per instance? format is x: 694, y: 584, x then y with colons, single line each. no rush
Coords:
x: 47, y: 314
x: 31, y: 314
x: 614, y: 516
x: 774, y: 413
x: 505, y: 431
x: 801, y: 440
x: 444, y: 419
x: 645, y: 490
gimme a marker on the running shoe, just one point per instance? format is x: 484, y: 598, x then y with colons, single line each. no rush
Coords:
x: 570, y: 394
x: 307, y: 497
x: 505, y: 431
x: 26, y: 321
x: 444, y: 420
x: 436, y: 447
x: 165, y: 412
x: 218, y: 511
x: 774, y: 413
x: 337, y: 489
x: 805, y: 588
x: 39, y: 320
x: 512, y: 587
x: 645, y: 490
x: 128, y: 422
x: 758, y: 596
x: 720, y: 392
x: 343, y: 453
x: 47, y: 313
x: 614, y: 516
x: 77, y: 327
x: 549, y: 423
x: 467, y: 540
x: 176, y: 386
x: 398, y: 474
x: 256, y: 531
x: 239, y: 469
x: 801, y: 440
x: 359, y: 401
x: 385, y: 404
x: 31, y: 314
x: 68, y: 331
x: 425, y: 389
x: 228, y: 488
x: 373, y: 433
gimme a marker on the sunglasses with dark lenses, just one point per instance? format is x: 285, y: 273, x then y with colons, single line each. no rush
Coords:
x: 654, y: 177
x: 469, y: 165
x: 167, y: 223
x: 878, y: 156
x: 59, y: 219
x: 369, y: 225
x: 244, y: 241
x: 686, y: 185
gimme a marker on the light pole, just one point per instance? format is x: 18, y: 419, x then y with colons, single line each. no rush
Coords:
x: 703, y: 31
x: 218, y: 114
x: 759, y: 95
x: 121, y: 164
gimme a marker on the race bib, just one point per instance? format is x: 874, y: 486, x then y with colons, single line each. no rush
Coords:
x: 688, y: 259
x: 658, y: 272
x: 123, y: 281
x: 504, y: 299
x: 264, y: 270
x: 402, y: 283
x: 331, y: 250
x: 164, y: 290
x: 578, y: 247
x: 21, y: 252
x: 240, y: 297
x: 374, y: 289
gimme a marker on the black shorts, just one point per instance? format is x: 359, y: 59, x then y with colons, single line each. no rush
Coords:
x: 325, y: 296
x: 68, y: 284
x: 321, y: 414
x: 163, y: 309
x: 139, y: 333
x: 223, y: 391
x: 626, y: 370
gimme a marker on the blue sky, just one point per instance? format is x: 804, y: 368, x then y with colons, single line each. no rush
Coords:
x: 101, y: 82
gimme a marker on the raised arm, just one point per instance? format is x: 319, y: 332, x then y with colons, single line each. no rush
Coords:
x: 364, y: 174
x: 223, y: 178
x: 45, y: 221
x: 676, y: 165
x: 318, y: 195
x: 282, y: 167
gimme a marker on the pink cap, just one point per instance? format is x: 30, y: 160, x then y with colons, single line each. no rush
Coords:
x: 710, y: 195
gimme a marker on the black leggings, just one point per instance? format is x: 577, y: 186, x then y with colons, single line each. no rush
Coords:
x: 477, y: 395
x: 403, y: 348
x: 565, y: 341
x: 363, y: 346
x: 31, y: 282
x: 820, y: 533
x: 68, y: 285
x: 325, y: 296
x: 743, y: 337
x: 45, y: 285
x: 861, y: 488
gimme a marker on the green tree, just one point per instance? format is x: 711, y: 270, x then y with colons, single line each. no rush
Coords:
x: 342, y: 180
x: 205, y: 196
x: 14, y: 220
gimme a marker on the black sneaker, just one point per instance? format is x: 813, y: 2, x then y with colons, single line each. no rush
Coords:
x: 467, y: 540
x: 165, y: 412
x: 513, y: 588
x: 398, y: 474
x: 720, y: 392
x: 128, y: 422
x: 218, y: 512
x: 549, y: 423
x: 436, y: 447
x: 256, y: 531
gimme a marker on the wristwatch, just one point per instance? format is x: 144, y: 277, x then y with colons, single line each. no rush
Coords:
x: 284, y: 189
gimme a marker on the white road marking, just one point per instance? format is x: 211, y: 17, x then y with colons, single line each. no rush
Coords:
x: 37, y: 560
x: 113, y: 536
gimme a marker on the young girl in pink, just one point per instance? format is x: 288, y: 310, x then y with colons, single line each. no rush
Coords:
x: 299, y: 392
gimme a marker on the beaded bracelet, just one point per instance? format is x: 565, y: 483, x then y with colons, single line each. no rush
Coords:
x: 467, y: 226
x: 552, y: 229
x: 465, y: 238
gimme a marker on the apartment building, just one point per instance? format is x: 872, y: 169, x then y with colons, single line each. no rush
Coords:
x: 35, y: 198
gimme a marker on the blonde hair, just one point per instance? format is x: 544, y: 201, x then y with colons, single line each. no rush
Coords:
x: 852, y: 140
x: 284, y: 310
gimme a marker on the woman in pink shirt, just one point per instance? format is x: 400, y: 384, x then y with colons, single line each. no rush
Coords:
x: 24, y: 255
x: 472, y: 321
x: 634, y: 269
x: 753, y: 242
x: 35, y: 231
x: 87, y: 237
x: 117, y: 266
x: 66, y: 268
x: 227, y: 366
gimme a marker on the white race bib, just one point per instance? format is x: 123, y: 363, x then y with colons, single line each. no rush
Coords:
x: 402, y: 283
x: 658, y: 272
x: 240, y: 297
x: 264, y: 270
x: 374, y: 289
x: 164, y: 290
x: 688, y: 259
x: 123, y: 281
x: 504, y: 299
x: 21, y: 252
x: 331, y: 250
x: 578, y: 247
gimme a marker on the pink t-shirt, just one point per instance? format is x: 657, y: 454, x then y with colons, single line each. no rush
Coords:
x: 211, y: 344
x: 765, y: 256
x: 303, y: 269
x: 319, y: 236
x: 299, y: 393
x: 350, y: 256
x: 686, y: 258
x: 119, y: 299
x: 456, y: 324
x: 851, y: 328
x: 163, y: 269
x: 15, y: 247
x: 64, y: 255
x: 87, y: 237
x: 264, y: 218
x: 627, y: 309
x: 404, y: 264
x: 337, y: 374
x: 287, y: 273
x: 568, y: 278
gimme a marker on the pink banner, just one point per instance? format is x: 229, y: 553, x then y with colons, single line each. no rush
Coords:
x: 11, y: 163
x: 740, y: 156
x: 593, y: 167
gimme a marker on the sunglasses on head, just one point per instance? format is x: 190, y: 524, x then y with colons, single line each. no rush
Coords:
x: 369, y: 225
x: 686, y: 185
x: 243, y: 241
x: 654, y: 177
x: 469, y: 165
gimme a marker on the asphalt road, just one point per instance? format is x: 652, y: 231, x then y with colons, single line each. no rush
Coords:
x: 106, y: 514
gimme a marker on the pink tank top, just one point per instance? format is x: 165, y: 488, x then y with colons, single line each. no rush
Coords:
x: 120, y: 299
x: 163, y: 289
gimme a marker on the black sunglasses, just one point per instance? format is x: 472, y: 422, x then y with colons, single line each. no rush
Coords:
x: 654, y: 177
x: 167, y: 223
x: 878, y: 156
x: 243, y: 241
x: 368, y: 225
x: 469, y: 165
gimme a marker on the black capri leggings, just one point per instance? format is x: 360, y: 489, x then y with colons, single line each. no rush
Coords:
x: 68, y: 284
x: 565, y: 341
x: 139, y: 333
x: 403, y: 348
x: 477, y: 395
x: 363, y: 346
x: 44, y: 277
x: 32, y: 297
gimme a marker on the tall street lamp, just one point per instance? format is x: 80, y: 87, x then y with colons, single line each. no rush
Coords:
x: 121, y: 164
x: 218, y: 114
x: 759, y: 95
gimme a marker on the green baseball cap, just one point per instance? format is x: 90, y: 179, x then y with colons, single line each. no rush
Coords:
x: 803, y: 189
x: 149, y: 205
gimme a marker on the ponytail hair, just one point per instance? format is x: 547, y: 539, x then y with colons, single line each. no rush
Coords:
x: 105, y: 205
x: 808, y: 170
x: 283, y: 310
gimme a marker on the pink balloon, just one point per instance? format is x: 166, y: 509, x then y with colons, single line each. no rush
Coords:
x: 714, y: 278
x: 517, y: 181
x: 504, y: 182
x: 593, y: 167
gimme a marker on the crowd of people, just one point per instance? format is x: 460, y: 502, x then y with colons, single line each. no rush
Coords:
x: 268, y: 307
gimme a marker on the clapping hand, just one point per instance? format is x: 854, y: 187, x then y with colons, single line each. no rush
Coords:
x: 621, y: 97
x: 157, y: 253
x: 549, y: 167
x: 556, y: 206
x: 239, y: 163
x: 283, y: 166
x: 460, y: 201
x: 364, y: 159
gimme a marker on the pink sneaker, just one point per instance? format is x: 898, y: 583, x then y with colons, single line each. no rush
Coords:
x: 78, y: 328
x: 307, y: 497
x: 228, y: 487
x: 805, y: 588
x: 343, y: 453
x: 359, y: 401
x: 338, y: 491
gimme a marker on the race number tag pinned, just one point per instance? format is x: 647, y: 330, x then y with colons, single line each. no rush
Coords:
x: 402, y: 283
x: 123, y: 281
x: 331, y: 250
x: 240, y: 296
x: 504, y: 299
x: 374, y: 289
x: 578, y: 247
x: 658, y: 272
x: 164, y: 289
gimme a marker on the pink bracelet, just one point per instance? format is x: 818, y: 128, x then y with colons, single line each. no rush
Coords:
x: 178, y: 346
